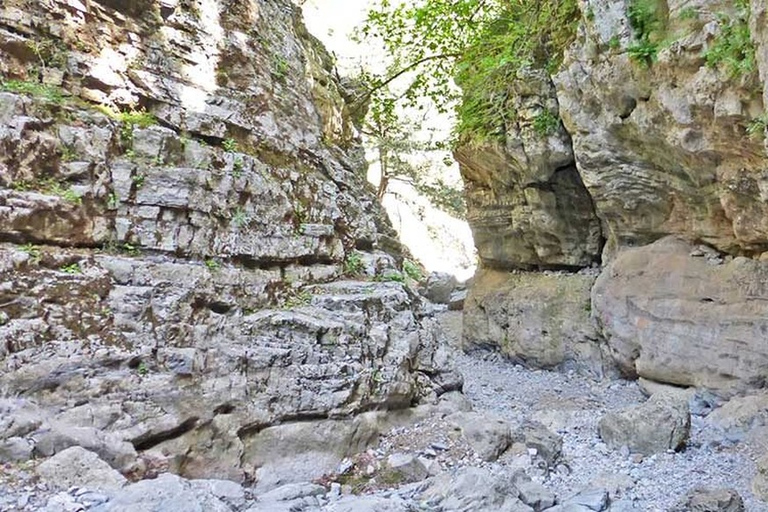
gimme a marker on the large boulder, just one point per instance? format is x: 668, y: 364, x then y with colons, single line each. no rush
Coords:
x: 660, y: 424
x: 539, y: 319
x: 77, y: 466
x: 670, y: 315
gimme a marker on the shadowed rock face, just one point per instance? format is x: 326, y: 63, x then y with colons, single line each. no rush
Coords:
x: 172, y: 286
x: 526, y: 203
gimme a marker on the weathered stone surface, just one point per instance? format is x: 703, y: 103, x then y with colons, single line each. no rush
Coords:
x: 741, y: 415
x: 662, y: 423
x: 173, y: 494
x: 488, y: 436
x: 541, y: 320
x: 170, y: 280
x: 710, y: 500
x: 675, y: 318
x: 474, y: 489
x: 439, y: 287
x: 78, y: 466
x: 527, y: 205
x: 662, y: 148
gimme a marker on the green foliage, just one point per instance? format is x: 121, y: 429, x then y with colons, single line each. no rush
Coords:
x: 212, y: 264
x: 112, y: 201
x: 732, y: 49
x: 237, y: 167
x: 33, y: 251
x: 55, y: 188
x: 229, y: 145
x: 37, y: 90
x: 546, y: 123
x: 297, y: 298
x: 280, y: 67
x: 757, y: 126
x: 240, y: 219
x: 643, y: 52
x: 130, y: 120
x: 483, y: 44
x: 142, y: 369
x: 68, y: 154
x: 688, y: 13
x: 390, y: 276
x: 130, y: 249
x: 614, y: 43
x: 138, y: 179
x: 412, y: 270
x: 353, y: 264
x: 72, y: 269
x: 443, y: 196
x: 648, y: 26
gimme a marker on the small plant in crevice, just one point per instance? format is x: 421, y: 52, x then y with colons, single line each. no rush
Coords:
x: 390, y: 276
x: 412, y: 270
x: 48, y: 93
x: 643, y: 52
x: 647, y: 25
x: 757, y: 126
x: 212, y: 264
x: 237, y: 168
x: 130, y: 249
x: 546, y: 123
x: 240, y: 218
x: 72, y: 269
x: 68, y: 154
x: 688, y: 13
x: 142, y: 369
x: 229, y: 145
x: 732, y: 49
x: 297, y: 298
x: 56, y: 188
x: 280, y: 68
x: 614, y: 43
x: 112, y: 201
x: 138, y: 179
x: 33, y: 251
x: 353, y: 264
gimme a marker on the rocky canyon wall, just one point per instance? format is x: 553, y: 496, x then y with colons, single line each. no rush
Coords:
x: 182, y: 202
x: 662, y: 135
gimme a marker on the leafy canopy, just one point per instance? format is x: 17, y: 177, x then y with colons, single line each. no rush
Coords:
x: 481, y: 45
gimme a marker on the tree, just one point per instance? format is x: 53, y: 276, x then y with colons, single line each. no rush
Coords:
x: 481, y: 45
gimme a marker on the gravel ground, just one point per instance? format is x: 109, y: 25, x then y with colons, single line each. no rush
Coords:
x: 572, y: 406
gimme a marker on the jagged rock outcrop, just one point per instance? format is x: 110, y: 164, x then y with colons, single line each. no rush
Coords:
x: 527, y: 206
x: 663, y: 148
x: 172, y: 268
x: 667, y: 141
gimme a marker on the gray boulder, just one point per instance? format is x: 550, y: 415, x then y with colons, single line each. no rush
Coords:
x: 171, y: 493
x: 662, y: 423
x: 439, y: 287
x: 77, y: 466
x: 488, y: 436
x: 703, y: 499
x: 470, y: 489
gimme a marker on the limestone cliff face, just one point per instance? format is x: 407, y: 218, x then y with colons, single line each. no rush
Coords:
x: 180, y: 189
x: 662, y: 148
